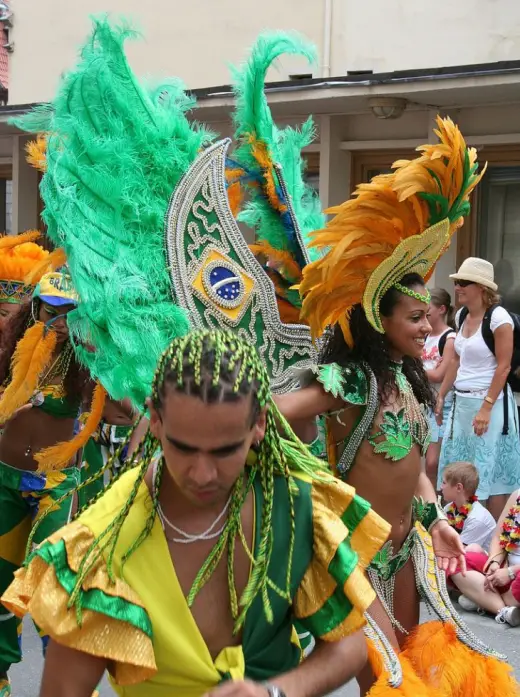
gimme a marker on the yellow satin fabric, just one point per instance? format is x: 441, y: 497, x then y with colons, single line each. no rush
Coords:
x: 184, y: 665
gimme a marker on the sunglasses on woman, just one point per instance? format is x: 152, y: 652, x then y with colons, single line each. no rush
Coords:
x: 463, y: 284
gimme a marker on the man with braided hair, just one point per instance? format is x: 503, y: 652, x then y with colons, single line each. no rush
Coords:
x: 185, y: 576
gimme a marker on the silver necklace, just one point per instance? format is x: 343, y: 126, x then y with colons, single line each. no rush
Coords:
x: 186, y: 537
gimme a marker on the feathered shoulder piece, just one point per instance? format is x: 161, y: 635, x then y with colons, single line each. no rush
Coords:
x: 267, y: 172
x: 397, y: 224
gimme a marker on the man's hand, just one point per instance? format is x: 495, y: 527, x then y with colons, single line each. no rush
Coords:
x: 448, y: 548
x: 239, y: 688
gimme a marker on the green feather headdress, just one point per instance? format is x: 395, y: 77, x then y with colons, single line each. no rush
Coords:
x: 282, y: 208
x: 115, y: 152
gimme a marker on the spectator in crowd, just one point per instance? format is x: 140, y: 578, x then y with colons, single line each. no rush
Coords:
x: 492, y: 581
x: 466, y: 514
x: 482, y: 426
x: 437, y: 354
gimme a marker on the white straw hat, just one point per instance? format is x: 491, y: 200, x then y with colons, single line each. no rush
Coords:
x: 477, y: 270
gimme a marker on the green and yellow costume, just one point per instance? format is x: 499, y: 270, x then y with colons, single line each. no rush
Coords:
x: 143, y: 624
x: 312, y: 540
x: 33, y: 500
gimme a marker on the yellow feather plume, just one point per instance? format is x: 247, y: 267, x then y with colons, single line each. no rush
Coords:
x: 381, y: 214
x: 59, y: 456
x: 20, y: 256
x: 36, y: 153
x: 10, y: 241
x: 51, y: 262
x: 31, y: 357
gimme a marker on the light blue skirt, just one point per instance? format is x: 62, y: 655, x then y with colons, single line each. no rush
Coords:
x: 496, y: 456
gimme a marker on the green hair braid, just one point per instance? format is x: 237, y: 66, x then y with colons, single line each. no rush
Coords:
x: 109, y: 537
x: 127, y: 464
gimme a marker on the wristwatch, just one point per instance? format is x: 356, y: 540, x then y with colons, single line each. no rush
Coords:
x: 274, y: 690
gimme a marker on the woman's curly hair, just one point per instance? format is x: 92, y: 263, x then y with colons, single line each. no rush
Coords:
x: 372, y: 348
x: 77, y: 382
x: 10, y: 336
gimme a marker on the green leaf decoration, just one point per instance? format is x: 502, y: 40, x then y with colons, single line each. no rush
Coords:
x: 397, y: 437
x: 349, y: 383
x: 331, y: 377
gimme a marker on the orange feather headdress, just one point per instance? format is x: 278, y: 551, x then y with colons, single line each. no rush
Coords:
x: 398, y: 223
x: 19, y: 257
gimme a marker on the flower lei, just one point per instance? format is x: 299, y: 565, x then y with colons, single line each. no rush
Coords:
x: 457, y: 516
x: 510, y: 535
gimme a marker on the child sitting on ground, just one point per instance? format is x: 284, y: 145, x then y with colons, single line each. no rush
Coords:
x: 492, y: 580
x: 466, y: 514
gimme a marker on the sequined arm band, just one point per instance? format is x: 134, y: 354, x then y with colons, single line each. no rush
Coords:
x: 432, y: 514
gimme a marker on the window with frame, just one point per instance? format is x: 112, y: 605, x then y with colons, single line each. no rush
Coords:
x: 497, y: 236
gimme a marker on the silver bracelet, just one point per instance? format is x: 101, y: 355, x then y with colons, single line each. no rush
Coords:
x: 273, y: 690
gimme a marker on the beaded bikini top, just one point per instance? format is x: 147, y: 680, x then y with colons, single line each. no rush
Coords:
x: 397, y: 432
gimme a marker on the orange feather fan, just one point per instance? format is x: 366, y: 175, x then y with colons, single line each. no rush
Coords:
x: 436, y: 664
x: 438, y: 657
x: 392, y: 207
x: 31, y: 357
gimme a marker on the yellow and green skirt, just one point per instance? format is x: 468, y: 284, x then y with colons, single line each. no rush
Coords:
x: 24, y: 497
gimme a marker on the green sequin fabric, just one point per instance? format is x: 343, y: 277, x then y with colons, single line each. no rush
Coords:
x: 399, y: 430
x: 349, y: 383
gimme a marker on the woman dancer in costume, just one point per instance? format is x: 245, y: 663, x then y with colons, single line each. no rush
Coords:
x: 370, y: 289
x: 38, y: 409
x: 20, y: 258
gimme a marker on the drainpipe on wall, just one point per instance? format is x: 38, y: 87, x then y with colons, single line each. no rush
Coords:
x: 327, y: 34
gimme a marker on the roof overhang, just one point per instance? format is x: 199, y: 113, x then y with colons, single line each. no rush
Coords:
x: 343, y: 96
x: 438, y: 88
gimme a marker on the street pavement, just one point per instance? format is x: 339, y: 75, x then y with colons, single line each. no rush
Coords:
x: 26, y: 676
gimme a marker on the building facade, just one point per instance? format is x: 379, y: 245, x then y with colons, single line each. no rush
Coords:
x: 383, y: 72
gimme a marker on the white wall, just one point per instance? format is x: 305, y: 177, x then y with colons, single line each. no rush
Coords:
x: 387, y: 35
x: 195, y: 40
